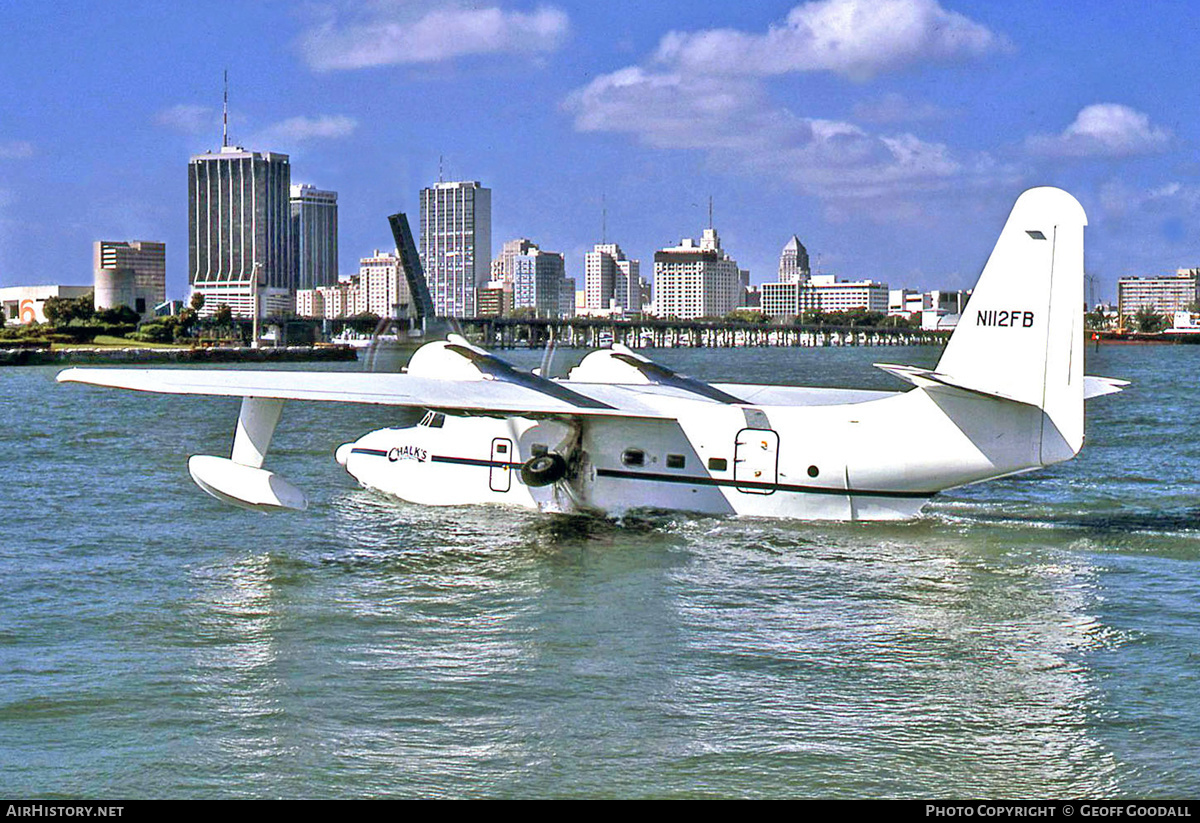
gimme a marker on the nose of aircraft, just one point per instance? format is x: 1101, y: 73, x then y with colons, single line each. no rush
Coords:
x: 342, y: 453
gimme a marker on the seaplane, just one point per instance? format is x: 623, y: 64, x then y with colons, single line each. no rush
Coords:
x: 620, y: 432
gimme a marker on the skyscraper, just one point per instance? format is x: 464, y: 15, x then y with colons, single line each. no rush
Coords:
x: 238, y: 228
x: 456, y: 244
x: 696, y: 280
x: 611, y: 280
x: 538, y: 280
x: 314, y: 237
x: 793, y: 262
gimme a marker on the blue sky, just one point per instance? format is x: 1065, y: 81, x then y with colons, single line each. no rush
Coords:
x: 892, y: 136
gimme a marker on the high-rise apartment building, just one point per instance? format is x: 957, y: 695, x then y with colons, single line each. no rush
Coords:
x: 132, y: 274
x: 314, y: 219
x: 1162, y: 295
x: 456, y: 244
x: 239, y: 230
x: 612, y: 281
x: 538, y: 281
x: 693, y: 280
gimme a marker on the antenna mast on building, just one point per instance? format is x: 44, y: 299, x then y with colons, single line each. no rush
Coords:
x: 225, y: 114
x: 440, y: 157
x: 710, y: 211
x: 603, y: 219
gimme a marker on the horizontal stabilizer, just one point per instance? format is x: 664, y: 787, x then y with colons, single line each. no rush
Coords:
x: 926, y: 378
x: 1099, y: 386
x: 1092, y: 386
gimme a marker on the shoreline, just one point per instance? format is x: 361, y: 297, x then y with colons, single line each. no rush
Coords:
x: 103, y: 355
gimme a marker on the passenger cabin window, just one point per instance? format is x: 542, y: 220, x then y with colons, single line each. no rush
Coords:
x: 633, y: 457
x: 718, y: 464
x: 676, y: 461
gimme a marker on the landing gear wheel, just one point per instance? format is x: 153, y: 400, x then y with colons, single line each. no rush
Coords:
x: 543, y: 469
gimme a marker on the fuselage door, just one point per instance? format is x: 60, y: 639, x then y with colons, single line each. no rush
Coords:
x: 500, y: 475
x: 756, y: 461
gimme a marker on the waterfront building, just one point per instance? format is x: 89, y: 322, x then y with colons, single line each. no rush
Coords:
x: 780, y: 299
x: 538, y: 279
x: 495, y: 299
x: 825, y: 293
x: 132, y: 274
x: 904, y: 302
x: 1162, y: 295
x: 941, y: 310
x: 314, y: 219
x: 25, y: 304
x: 502, y: 266
x: 566, y: 297
x: 793, y: 262
x: 612, y: 282
x: 382, y: 287
x: 456, y: 244
x: 696, y: 279
x: 379, y: 288
x: 239, y: 231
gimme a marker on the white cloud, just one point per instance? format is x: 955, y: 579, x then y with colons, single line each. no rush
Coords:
x: 391, y: 34
x: 1103, y: 130
x: 15, y: 149
x: 300, y: 129
x: 707, y: 91
x: 856, y: 38
x: 732, y: 120
x: 187, y: 118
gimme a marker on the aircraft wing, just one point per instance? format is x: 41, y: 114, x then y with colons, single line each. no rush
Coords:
x: 479, y: 396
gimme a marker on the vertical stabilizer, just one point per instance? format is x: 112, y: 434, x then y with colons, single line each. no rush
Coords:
x: 1021, y: 334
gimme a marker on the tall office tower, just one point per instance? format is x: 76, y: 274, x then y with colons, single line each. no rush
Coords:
x: 793, y: 262
x: 131, y: 273
x: 693, y: 280
x: 456, y: 244
x: 611, y: 281
x: 502, y: 266
x: 239, y: 228
x: 538, y: 278
x: 314, y: 237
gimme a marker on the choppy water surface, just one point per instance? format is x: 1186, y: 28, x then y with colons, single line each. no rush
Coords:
x: 1031, y: 637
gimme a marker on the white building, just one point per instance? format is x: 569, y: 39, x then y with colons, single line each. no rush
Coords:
x: 793, y: 262
x: 696, y: 280
x: 1162, y: 295
x: 456, y: 244
x: 612, y: 282
x: 379, y: 288
x: 25, y: 304
x: 825, y: 293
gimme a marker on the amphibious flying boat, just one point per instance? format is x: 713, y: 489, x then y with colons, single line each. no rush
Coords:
x: 621, y: 432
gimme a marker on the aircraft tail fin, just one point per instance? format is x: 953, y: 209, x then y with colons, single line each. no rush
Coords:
x: 1021, y: 334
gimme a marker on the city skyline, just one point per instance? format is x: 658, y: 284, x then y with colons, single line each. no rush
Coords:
x: 893, y: 157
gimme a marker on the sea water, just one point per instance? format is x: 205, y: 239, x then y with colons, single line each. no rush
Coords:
x: 1029, y: 637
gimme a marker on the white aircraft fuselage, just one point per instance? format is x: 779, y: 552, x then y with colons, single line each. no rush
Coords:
x: 878, y: 459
